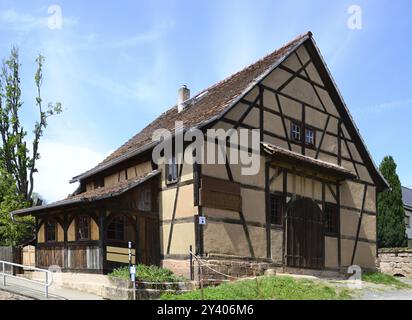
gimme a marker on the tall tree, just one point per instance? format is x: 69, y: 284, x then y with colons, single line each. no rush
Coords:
x: 19, y: 162
x: 391, y: 215
x: 12, y: 233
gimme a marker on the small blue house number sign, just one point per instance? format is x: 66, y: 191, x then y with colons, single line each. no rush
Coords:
x: 202, y: 220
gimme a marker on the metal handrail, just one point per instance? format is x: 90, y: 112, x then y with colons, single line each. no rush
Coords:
x: 46, y: 284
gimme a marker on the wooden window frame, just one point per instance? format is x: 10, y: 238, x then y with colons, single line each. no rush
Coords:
x: 46, y: 238
x: 303, y: 128
x: 172, y: 174
x: 311, y: 145
x: 114, y: 239
x: 276, y: 219
x: 89, y: 236
x: 331, y: 219
x: 298, y: 125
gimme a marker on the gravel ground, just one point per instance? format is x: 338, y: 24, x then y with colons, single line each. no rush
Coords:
x: 379, y: 292
x: 10, y: 296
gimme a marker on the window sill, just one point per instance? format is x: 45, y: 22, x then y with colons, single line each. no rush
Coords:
x: 276, y: 227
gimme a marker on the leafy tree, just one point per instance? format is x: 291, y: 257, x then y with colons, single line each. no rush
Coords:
x: 391, y: 215
x: 19, y: 161
x: 12, y: 233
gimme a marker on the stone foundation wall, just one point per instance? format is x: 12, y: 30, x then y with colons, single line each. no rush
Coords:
x: 232, y: 267
x: 224, y: 266
x: 179, y: 267
x: 397, y: 261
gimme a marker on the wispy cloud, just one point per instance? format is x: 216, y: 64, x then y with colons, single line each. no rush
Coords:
x: 385, y: 106
x: 13, y: 20
x: 60, y: 162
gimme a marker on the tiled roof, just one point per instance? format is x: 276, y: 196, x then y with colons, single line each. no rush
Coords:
x: 211, y: 103
x: 93, y: 195
x: 407, y: 197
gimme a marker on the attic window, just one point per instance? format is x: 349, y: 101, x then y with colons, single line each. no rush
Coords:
x: 99, y: 182
x: 296, y: 131
x: 310, y: 136
x: 171, y: 171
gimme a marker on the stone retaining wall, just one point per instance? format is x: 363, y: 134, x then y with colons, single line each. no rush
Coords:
x: 396, y: 261
x: 113, y: 288
x: 234, y: 268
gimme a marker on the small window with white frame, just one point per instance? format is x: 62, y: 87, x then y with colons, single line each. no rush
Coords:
x: 309, y: 136
x: 296, y: 131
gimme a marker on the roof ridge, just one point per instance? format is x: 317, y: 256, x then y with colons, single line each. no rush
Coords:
x: 285, y: 45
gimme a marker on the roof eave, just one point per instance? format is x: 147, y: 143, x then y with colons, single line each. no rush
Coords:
x: 113, y: 162
x: 68, y: 202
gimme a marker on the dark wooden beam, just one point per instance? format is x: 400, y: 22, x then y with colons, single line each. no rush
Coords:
x: 359, y: 224
x: 285, y: 95
x: 285, y: 214
x: 350, y: 155
x: 283, y: 122
x: 267, y: 211
x: 322, y: 138
x: 102, y: 238
x: 339, y: 230
x: 332, y: 192
x: 294, y: 74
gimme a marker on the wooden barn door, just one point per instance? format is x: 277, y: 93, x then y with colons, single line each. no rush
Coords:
x: 149, y: 240
x: 305, y: 235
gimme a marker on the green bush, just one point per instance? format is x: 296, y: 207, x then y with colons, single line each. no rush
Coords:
x: 147, y: 273
x: 266, y: 288
x: 386, y: 279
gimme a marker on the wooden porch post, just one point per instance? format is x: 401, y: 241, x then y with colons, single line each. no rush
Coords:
x: 66, y: 250
x: 102, y: 239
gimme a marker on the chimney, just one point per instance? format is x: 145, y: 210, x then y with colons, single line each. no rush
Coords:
x: 183, y: 95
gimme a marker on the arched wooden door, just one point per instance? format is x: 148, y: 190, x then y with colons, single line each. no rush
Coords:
x: 305, y: 234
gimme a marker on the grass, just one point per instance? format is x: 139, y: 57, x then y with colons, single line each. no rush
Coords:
x: 386, y: 279
x: 147, y: 273
x: 266, y: 288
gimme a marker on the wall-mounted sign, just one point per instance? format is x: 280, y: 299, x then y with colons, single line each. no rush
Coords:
x: 202, y: 220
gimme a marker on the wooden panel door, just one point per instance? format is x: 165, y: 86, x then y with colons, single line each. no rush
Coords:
x: 305, y: 235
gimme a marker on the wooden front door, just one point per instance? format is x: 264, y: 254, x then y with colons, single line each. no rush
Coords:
x: 305, y: 235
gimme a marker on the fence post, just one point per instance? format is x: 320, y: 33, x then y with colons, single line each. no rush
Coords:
x: 47, y: 285
x: 202, y: 293
x: 191, y: 263
x: 4, y: 275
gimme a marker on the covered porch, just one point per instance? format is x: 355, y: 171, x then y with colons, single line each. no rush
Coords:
x: 89, y: 232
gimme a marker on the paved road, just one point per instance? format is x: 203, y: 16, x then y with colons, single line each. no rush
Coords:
x: 383, y: 293
x: 11, y: 296
x: 36, y: 291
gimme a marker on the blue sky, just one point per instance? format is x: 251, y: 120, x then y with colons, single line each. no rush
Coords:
x: 115, y: 65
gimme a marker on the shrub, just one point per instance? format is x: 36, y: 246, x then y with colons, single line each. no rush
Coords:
x: 147, y: 273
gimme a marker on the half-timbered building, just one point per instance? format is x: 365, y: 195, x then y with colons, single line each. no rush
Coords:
x: 311, y: 205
